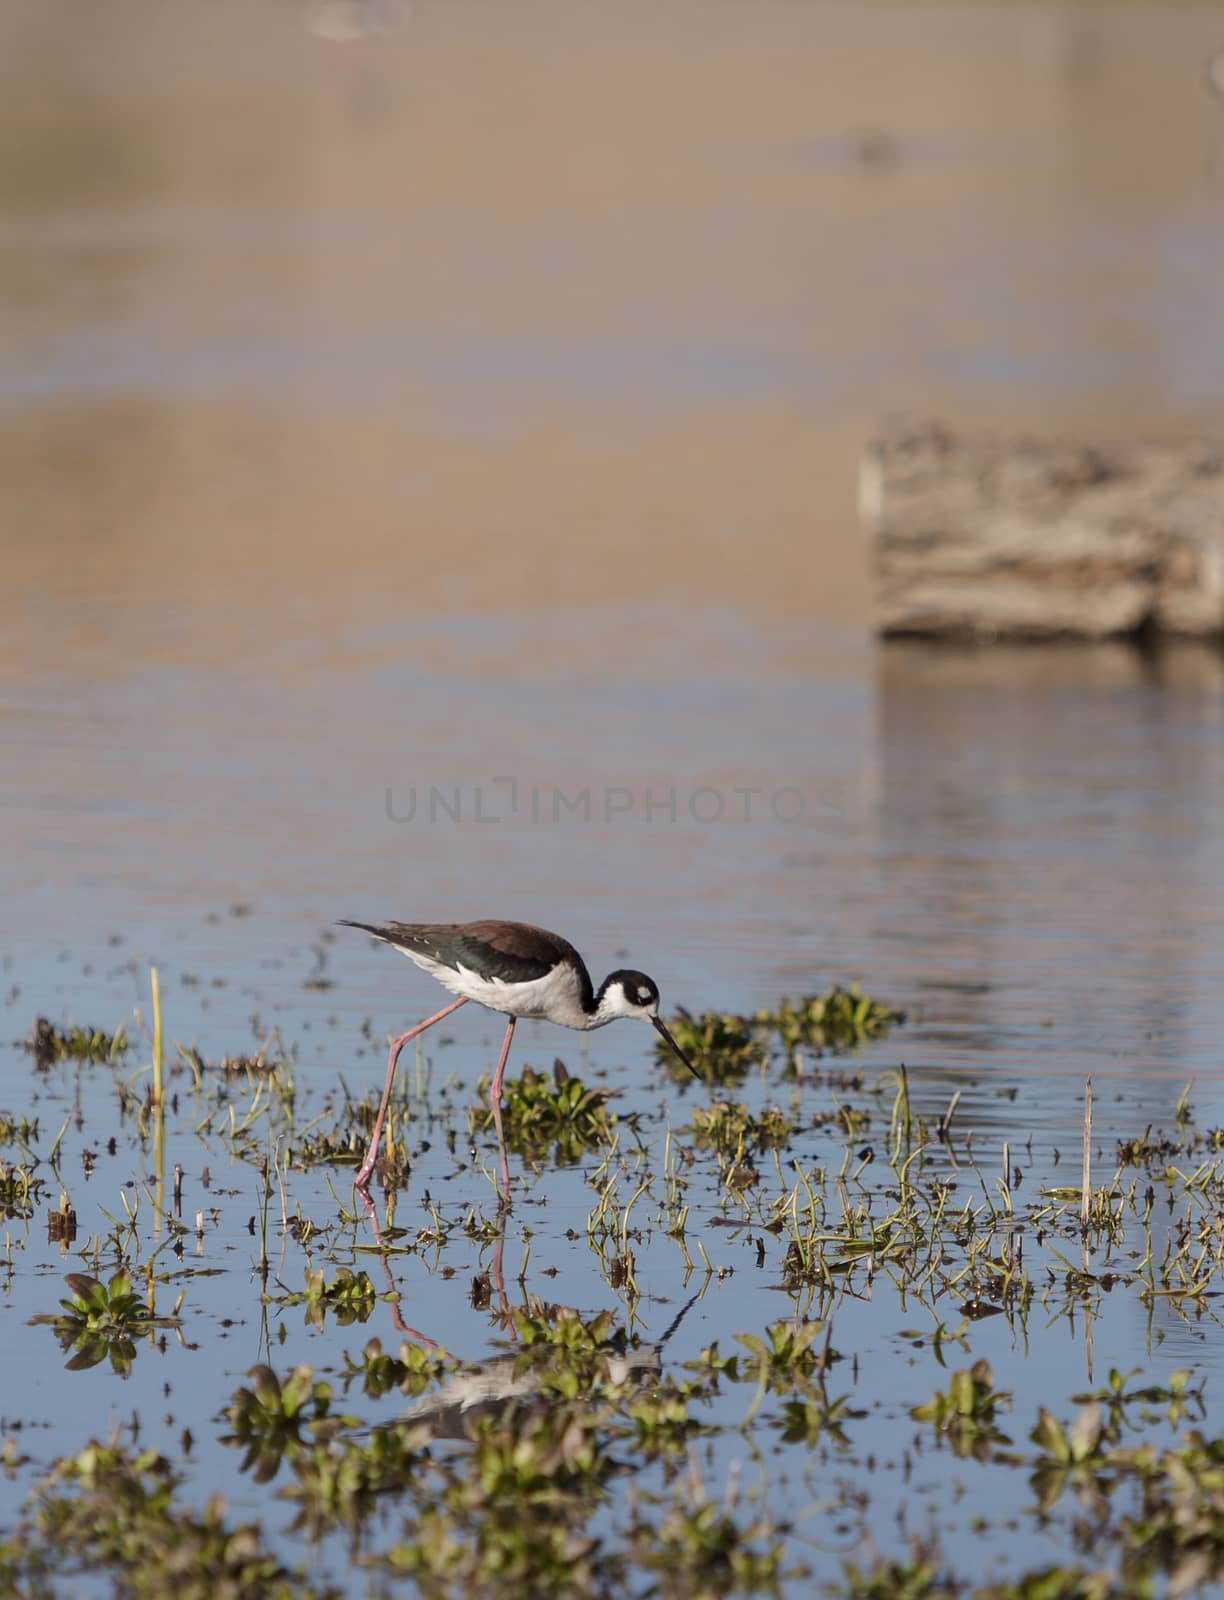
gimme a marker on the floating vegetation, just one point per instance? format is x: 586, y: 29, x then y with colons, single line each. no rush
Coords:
x: 838, y: 1021
x: 338, y: 1481
x: 412, y: 1372
x: 699, y: 1546
x: 725, y: 1047
x: 816, y: 1420
x: 661, y: 1421
x: 17, y: 1130
x: 787, y: 1357
x: 538, y: 1115
x: 514, y: 1517
x: 350, y: 1297
x: 103, y: 1320
x: 569, y: 1355
x: 48, y: 1044
x: 843, y: 1268
x: 966, y: 1414
x: 241, y: 1063
x: 729, y: 1127
x: 1155, y: 1149
x: 113, y: 1510
x: 1179, y: 1395
x: 273, y: 1419
x: 1165, y: 1537
x: 19, y: 1191
x: 338, y: 1147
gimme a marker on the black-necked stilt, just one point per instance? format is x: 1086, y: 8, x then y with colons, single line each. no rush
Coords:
x: 520, y: 971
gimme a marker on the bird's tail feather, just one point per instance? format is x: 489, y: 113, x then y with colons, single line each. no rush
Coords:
x: 367, y: 927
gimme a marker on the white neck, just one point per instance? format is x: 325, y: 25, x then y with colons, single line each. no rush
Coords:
x: 613, y: 1004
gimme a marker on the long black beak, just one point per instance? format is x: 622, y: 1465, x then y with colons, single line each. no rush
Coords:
x: 663, y: 1029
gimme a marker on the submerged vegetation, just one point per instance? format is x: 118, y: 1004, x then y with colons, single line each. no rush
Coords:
x: 838, y: 1021
x: 114, y: 1510
x: 48, y: 1043
x: 725, y: 1047
x: 822, y: 1341
x: 537, y: 1115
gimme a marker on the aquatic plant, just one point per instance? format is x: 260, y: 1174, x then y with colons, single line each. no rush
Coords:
x: 569, y: 1460
x: 20, y: 1190
x: 838, y: 1021
x: 721, y: 1045
x: 242, y: 1064
x: 917, y: 1578
x: 700, y: 1547
x: 350, y: 1297
x: 515, y: 1519
x: 271, y: 1418
x: 538, y: 1114
x: 814, y: 1420
x: 966, y: 1413
x: 337, y: 1481
x: 17, y: 1130
x: 724, y: 1046
x: 340, y: 1146
x: 787, y: 1356
x: 1179, y: 1395
x: 411, y: 1372
x: 104, y: 1320
x: 728, y: 1127
x: 1073, y: 1454
x: 47, y: 1043
x: 111, y: 1510
x: 570, y: 1356
x: 662, y: 1424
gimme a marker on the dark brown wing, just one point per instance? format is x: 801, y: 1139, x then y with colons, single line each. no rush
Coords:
x: 515, y: 952
x: 520, y: 941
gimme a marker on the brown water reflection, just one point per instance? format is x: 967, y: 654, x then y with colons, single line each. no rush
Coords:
x: 571, y: 305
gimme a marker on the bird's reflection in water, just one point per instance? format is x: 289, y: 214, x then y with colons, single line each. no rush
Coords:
x: 506, y: 1381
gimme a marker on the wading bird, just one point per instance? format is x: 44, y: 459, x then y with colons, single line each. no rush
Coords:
x: 520, y: 971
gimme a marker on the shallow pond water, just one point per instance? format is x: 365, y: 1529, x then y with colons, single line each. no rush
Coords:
x: 430, y: 464
x: 927, y: 823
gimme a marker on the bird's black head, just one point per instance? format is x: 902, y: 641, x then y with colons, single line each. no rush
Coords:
x: 630, y: 994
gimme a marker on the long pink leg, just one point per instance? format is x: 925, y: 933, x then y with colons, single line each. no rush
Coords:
x: 368, y: 1165
x: 392, y: 1292
x: 495, y: 1094
x: 498, y: 1275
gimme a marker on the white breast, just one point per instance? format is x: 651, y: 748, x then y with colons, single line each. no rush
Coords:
x: 556, y: 997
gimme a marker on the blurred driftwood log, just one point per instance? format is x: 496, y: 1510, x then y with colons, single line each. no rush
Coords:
x: 1006, y: 538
